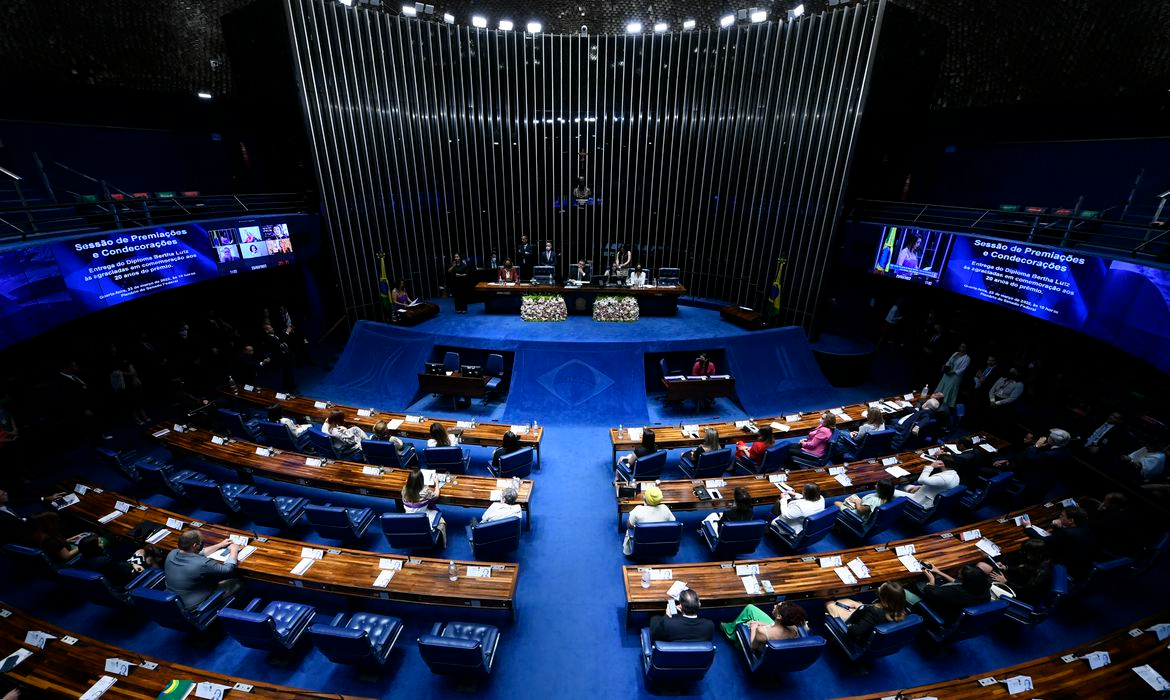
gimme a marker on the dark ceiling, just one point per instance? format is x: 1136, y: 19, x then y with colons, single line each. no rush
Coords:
x: 994, y: 52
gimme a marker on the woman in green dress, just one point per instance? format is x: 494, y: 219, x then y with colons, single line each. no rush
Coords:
x: 785, y: 622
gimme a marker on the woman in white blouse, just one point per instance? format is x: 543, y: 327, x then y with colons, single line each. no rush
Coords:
x: 792, y: 510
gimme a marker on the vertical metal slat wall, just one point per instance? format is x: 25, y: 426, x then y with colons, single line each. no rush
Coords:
x: 716, y: 151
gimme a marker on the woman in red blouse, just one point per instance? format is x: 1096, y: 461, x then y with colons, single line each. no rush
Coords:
x: 759, y: 447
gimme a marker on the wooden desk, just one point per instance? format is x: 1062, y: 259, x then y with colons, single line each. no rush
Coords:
x: 453, y: 384
x: 1053, y: 678
x: 744, y: 318
x: 347, y: 572
x: 801, y: 576
x: 679, y: 495
x: 671, y: 437
x: 484, y: 434
x: 699, y: 389
x: 68, y: 670
x: 345, y: 477
x: 413, y: 315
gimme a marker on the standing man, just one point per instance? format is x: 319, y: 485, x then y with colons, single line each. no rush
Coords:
x: 193, y: 576
x: 278, y: 350
x: 525, y: 258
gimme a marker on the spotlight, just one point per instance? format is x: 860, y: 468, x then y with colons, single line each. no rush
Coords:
x: 758, y: 16
x: 689, y: 24
x: 347, y: 3
x: 506, y: 25
x: 204, y: 95
x: 634, y: 28
x: 479, y: 21
x: 534, y: 27
x: 448, y: 18
x: 726, y: 21
x: 660, y: 27
x: 798, y: 10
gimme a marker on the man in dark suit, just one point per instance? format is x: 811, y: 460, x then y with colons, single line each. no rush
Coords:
x: 1109, y: 440
x: 1071, y: 542
x: 982, y: 381
x: 913, y: 425
x: 684, y: 627
x: 525, y: 258
x: 1041, y: 465
x: 74, y: 397
x: 970, y: 463
x: 948, y: 600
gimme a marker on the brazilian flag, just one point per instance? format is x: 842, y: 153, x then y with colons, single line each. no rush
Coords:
x: 774, y: 290
x: 886, y: 255
x: 176, y: 690
x: 383, y: 283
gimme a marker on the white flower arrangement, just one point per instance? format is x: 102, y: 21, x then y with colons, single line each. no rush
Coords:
x: 543, y: 307
x: 621, y: 309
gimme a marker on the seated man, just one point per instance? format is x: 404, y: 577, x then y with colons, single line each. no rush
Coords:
x: 971, y: 464
x: 1039, y: 466
x: 506, y: 507
x: 913, y: 424
x: 687, y: 627
x: 972, y: 587
x: 1147, y: 462
x: 1071, y: 542
x: 193, y: 576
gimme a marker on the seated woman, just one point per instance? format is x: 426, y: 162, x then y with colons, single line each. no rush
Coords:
x: 347, y: 439
x: 785, y: 622
x: 792, y: 510
x: 741, y: 511
x: 400, y: 297
x: 1028, y: 573
x: 818, y: 441
x: 652, y: 510
x: 417, y: 497
x: 441, y: 438
x: 756, y: 451
x: 45, y: 532
x: 381, y: 431
x: 638, y: 277
x: 511, y: 443
x: 861, y: 619
x: 276, y: 415
x: 947, y: 600
x: 710, y: 444
x: 507, y: 273
x: 882, y: 494
x: 875, y: 421
x: 648, y: 447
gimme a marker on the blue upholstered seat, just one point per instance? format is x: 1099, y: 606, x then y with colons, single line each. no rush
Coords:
x: 944, y: 503
x: 449, y: 458
x: 1103, y: 576
x: 34, y: 562
x: 167, y: 610
x: 646, y: 468
x: 273, y: 511
x: 973, y: 621
x: 515, y: 464
x: 325, y: 446
x: 236, y: 424
x: 734, y: 538
x: 886, y: 639
x: 451, y: 362
x: 656, y: 540
x: 409, y: 530
x: 710, y: 465
x: 276, y: 627
x: 166, y: 478
x: 494, y: 370
x: 882, y: 517
x: 220, y: 498
x: 816, y: 527
x: 774, y: 459
x: 673, y: 662
x: 96, y: 588
x: 779, y: 656
x: 364, y: 640
x: 385, y: 453
x: 460, y: 648
x: 492, y: 540
x: 280, y: 436
x: 993, y: 487
x: 1033, y: 614
x: 124, y: 463
x: 340, y: 523
x: 876, y: 443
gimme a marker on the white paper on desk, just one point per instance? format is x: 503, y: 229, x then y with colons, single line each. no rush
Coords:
x: 68, y: 500
x: 312, y: 553
x: 519, y: 429
x: 661, y: 574
x: 429, y: 476
x: 776, y: 425
x: 80, y: 489
x: 281, y: 396
x: 413, y: 419
x: 394, y: 424
x: 904, y: 550
x: 320, y: 404
x: 792, y: 417
x: 891, y: 406
x: 364, y: 412
x: 383, y: 579
x: 829, y: 562
x: 16, y: 657
x: 217, y: 440
x: 910, y: 563
x: 158, y: 536
x: 845, y: 575
x: 36, y: 638
x: 858, y: 567
x: 933, y: 452
x: 371, y: 471
x: 175, y: 523
x: 110, y: 516
x: 692, y: 429
x: 988, y: 547
x: 674, y: 378
x: 1039, y: 531
x: 496, y: 494
x: 837, y: 411
x: 210, y: 691
x: 249, y: 387
x: 1097, y: 659
x: 263, y: 451
x: 889, y: 461
x: 715, y: 483
x: 747, y: 569
x: 242, y: 687
x: 219, y: 555
x: 975, y: 439
x: 970, y: 535
x: 313, y: 462
x: 953, y: 448
x: 844, y: 480
x: 897, y: 472
x: 834, y: 471
x: 101, y: 686
x: 118, y: 666
x: 987, y: 447
x: 635, y: 434
x: 463, y: 424
x: 750, y: 584
x: 389, y: 564
x: 479, y: 572
x: 241, y: 540
x: 1161, y: 629
x: 675, y: 589
x: 122, y: 506
x: 1018, y: 684
x: 245, y: 553
x: 1149, y: 675
x: 302, y: 566
x: 777, y: 478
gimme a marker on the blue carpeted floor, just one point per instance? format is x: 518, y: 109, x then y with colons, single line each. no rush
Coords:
x: 569, y: 638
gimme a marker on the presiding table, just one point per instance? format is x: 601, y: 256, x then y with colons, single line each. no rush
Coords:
x: 699, y: 388
x: 765, y: 489
x: 71, y: 663
x: 347, y: 572
x: 794, y: 577
x: 250, y: 459
x: 652, y: 301
x: 413, y: 427
x: 414, y: 314
x: 453, y: 384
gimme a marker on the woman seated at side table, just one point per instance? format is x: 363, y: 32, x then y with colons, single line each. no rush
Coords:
x: 756, y: 451
x: 417, y: 497
x: 818, y: 441
x: 861, y: 619
x: 792, y: 510
x: 441, y: 438
x: 882, y: 494
x: 785, y: 622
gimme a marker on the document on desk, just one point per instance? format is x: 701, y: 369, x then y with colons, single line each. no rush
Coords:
x: 897, y: 472
x: 986, y: 447
x: 394, y: 424
x: 9, y: 662
x: 661, y: 574
x: 371, y: 471
x: 245, y: 553
x: 429, y: 476
x: 781, y: 427
x: 988, y: 547
x: 674, y: 378
x: 889, y: 461
x: 858, y: 567
x: 844, y: 480
x: 389, y: 564
x: 845, y: 575
x: 715, y: 483
x: 635, y: 434
x: 970, y: 535
x: 792, y: 417
x: 834, y: 471
x: 750, y: 584
x: 158, y: 536
x: 383, y: 579
x: 830, y: 562
x: 904, y: 550
x: 110, y: 516
x: 365, y: 412
x: 954, y: 449
x: 777, y: 478
x: 312, y: 553
x: 519, y: 429
x: 302, y: 566
x: 97, y: 689
x: 910, y: 563
x: 1155, y: 679
x: 747, y: 569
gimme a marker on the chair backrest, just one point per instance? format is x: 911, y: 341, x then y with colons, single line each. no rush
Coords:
x: 890, y: 637
x: 381, y: 452
x: 321, y: 442
x: 159, y: 476
x: 886, y: 515
x: 650, y: 467
x: 114, y: 461
x: 234, y: 423
x: 445, y: 459
x: 680, y: 661
x: 495, y: 538
x: 847, y: 448
x: 1107, y: 573
x: 259, y: 505
x: 343, y: 645
x: 996, y: 485
x: 32, y: 560
x: 165, y: 609
x: 662, y: 366
x: 1059, y: 587
x: 518, y: 463
x: 774, y: 458
x: 975, y: 620
x: 817, y: 526
x: 494, y: 367
x: 209, y: 495
x: 94, y: 587
x: 944, y: 503
x: 252, y: 629
x: 407, y: 530
x: 739, y: 537
x: 657, y: 539
x: 452, y: 655
x: 715, y: 463
x: 451, y: 362
x: 277, y: 435
x: 876, y: 443
x: 789, y: 655
x: 331, y: 519
x: 1152, y: 554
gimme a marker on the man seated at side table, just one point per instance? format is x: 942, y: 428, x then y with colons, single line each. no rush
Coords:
x: 684, y: 627
x: 506, y: 507
x: 194, y: 576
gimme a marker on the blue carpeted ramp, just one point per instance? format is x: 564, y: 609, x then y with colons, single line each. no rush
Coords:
x: 775, y: 372
x: 379, y: 366
x: 563, y: 382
